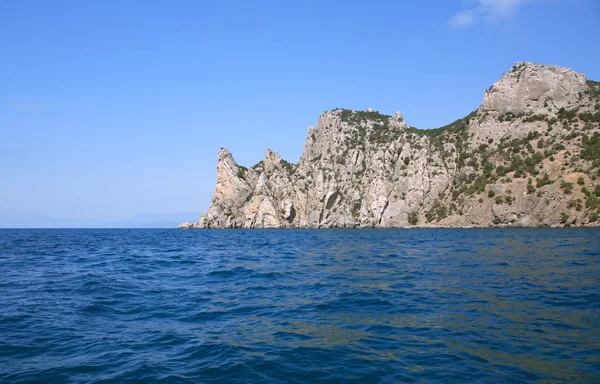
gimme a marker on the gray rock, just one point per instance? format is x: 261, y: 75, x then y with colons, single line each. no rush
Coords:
x: 526, y: 222
x: 363, y: 169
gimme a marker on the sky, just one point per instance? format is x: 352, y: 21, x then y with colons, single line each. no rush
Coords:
x: 110, y: 109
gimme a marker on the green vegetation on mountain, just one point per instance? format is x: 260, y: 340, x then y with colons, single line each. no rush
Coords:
x: 528, y: 156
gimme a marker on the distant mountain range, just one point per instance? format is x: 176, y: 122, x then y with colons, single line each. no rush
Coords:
x: 147, y: 220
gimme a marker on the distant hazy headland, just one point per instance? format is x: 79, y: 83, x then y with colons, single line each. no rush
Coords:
x: 149, y: 220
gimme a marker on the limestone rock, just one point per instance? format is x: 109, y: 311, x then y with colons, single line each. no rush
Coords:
x: 570, y: 221
x: 534, y: 87
x: 502, y: 165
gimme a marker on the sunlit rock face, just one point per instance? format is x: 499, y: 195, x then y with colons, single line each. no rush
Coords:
x: 364, y: 169
x: 529, y: 87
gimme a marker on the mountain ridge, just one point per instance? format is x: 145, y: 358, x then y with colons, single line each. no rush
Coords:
x: 366, y: 169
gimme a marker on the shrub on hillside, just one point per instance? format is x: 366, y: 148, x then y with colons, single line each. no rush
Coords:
x: 566, y: 187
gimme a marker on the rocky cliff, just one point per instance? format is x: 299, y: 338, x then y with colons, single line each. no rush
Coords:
x: 528, y: 156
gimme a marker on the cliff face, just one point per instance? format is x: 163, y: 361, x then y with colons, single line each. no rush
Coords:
x: 528, y: 156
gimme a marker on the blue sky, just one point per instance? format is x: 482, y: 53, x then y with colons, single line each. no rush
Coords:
x: 109, y: 109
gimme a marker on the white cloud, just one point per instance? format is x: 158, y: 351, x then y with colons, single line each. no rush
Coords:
x: 488, y: 10
x: 462, y: 18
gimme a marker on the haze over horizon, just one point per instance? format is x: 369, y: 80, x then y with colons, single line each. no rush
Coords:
x: 109, y: 110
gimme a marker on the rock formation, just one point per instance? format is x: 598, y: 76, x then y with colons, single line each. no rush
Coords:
x: 529, y: 156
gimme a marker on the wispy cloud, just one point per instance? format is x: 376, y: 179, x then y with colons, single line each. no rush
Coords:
x: 462, y: 18
x: 487, y: 10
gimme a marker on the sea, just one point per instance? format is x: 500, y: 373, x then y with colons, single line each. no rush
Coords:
x: 300, y: 306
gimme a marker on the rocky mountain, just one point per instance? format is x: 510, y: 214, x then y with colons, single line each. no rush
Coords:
x: 529, y: 156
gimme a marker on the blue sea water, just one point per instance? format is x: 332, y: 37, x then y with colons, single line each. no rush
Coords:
x: 424, y: 305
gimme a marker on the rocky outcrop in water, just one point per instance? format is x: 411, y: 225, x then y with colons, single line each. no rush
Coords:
x: 529, y: 156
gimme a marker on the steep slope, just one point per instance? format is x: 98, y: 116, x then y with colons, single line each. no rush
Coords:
x: 528, y: 156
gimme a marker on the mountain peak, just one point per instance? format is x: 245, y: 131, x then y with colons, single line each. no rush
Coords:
x: 535, y: 88
x: 529, y: 156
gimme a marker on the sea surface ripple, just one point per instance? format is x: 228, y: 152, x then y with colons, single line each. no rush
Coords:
x: 215, y: 306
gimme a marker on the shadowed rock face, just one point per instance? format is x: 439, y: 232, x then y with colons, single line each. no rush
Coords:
x: 525, y: 157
